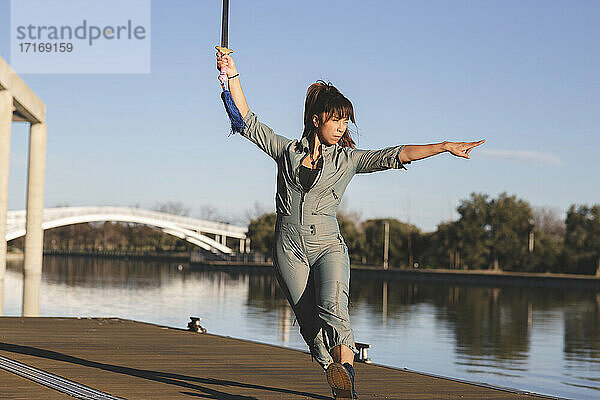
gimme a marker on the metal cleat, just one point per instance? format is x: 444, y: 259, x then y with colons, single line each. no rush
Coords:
x: 362, y: 355
x: 194, y: 325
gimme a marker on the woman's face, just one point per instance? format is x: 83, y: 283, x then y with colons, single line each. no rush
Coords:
x: 331, y: 131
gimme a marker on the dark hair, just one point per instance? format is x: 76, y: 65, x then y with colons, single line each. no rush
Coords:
x: 324, y: 100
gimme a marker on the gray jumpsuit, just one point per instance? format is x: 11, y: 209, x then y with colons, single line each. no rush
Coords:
x: 309, y: 253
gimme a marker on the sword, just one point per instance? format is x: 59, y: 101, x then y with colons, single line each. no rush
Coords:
x: 237, y: 122
x: 225, y: 24
x: 224, y: 41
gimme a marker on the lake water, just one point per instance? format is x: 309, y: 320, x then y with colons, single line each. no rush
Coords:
x: 540, y: 340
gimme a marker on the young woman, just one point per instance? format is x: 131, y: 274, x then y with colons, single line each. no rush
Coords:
x: 310, y: 256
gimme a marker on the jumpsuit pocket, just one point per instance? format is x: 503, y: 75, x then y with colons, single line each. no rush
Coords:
x: 342, y: 242
x: 327, y: 203
x: 333, y: 242
x: 335, y: 196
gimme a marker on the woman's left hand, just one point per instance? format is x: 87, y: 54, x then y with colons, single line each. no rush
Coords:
x: 462, y: 149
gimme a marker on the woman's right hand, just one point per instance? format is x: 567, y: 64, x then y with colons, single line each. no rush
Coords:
x: 462, y: 149
x: 227, y: 62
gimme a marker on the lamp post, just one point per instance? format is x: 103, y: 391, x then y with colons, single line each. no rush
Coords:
x: 531, y: 242
x: 386, y: 243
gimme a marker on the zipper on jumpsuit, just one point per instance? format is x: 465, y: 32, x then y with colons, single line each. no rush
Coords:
x: 302, y: 192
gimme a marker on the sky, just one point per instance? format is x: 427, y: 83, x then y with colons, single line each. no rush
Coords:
x: 521, y: 74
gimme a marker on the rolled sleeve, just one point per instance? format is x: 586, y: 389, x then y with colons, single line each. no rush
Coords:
x: 263, y: 136
x: 366, y: 161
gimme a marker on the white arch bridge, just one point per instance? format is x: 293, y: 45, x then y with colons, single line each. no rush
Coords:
x: 208, y: 235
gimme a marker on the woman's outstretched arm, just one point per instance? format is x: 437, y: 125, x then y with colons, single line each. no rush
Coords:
x: 234, y: 84
x: 413, y: 152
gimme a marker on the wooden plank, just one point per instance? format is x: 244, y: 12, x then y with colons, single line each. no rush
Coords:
x: 16, y: 388
x: 143, y: 361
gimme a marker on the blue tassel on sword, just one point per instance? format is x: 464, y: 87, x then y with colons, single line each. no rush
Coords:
x: 237, y: 122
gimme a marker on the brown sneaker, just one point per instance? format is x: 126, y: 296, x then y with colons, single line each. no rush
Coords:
x: 341, y: 381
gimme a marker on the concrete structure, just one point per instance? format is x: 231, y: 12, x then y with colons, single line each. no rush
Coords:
x: 209, y: 235
x: 18, y: 103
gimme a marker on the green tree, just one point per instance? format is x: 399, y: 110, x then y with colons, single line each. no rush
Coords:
x: 403, y: 240
x: 593, y: 242
x: 260, y: 232
x: 472, y: 236
x: 548, y: 238
x: 112, y: 236
x: 490, y: 233
x: 582, y: 240
x: 442, y: 249
x: 353, y: 235
x: 511, y: 221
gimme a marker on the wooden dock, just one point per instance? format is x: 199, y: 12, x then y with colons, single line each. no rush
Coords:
x: 133, y: 360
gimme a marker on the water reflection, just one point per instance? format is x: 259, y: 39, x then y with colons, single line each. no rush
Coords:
x: 99, y: 272
x: 582, y: 343
x: 542, y: 340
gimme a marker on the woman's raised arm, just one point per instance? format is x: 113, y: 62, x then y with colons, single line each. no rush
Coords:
x: 262, y: 135
x: 234, y: 83
x: 413, y: 152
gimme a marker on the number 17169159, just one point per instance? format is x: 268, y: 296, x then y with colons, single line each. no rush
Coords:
x: 27, y: 47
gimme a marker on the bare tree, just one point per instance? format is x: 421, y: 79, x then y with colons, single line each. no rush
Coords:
x: 546, y: 220
x: 173, y: 207
x: 212, y: 213
x: 254, y: 212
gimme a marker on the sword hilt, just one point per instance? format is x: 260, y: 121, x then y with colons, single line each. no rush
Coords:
x: 223, y: 76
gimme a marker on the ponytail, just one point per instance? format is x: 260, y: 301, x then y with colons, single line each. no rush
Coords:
x: 326, y: 102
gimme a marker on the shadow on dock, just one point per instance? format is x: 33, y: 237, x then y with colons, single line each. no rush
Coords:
x: 135, y: 360
x: 163, y: 377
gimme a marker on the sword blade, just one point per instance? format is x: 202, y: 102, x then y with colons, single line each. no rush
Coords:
x: 225, y: 25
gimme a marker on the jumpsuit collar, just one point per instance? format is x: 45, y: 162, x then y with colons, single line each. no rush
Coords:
x: 304, y: 148
x: 324, y: 147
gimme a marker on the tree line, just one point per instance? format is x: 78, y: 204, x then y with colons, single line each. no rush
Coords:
x: 503, y: 233
x: 109, y: 236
